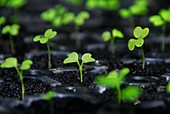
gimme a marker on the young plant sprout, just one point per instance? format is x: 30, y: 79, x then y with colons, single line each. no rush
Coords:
x: 74, y: 2
x: 49, y: 34
x: 161, y: 20
x: 73, y: 58
x: 48, y: 97
x: 12, y: 62
x: 78, y: 21
x: 12, y: 30
x: 139, y: 34
x: 2, y: 20
x: 114, y: 80
x: 107, y: 36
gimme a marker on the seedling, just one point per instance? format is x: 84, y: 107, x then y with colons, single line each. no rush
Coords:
x: 107, y: 36
x: 12, y: 3
x: 73, y: 58
x: 139, y: 34
x: 114, y: 80
x: 161, y: 20
x: 12, y: 62
x: 12, y: 30
x: 78, y: 21
x: 48, y: 97
x: 2, y: 20
x: 74, y: 2
x: 49, y: 34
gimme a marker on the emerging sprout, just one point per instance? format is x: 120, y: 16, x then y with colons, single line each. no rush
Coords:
x: 12, y: 3
x: 12, y: 30
x: 48, y: 97
x: 12, y: 62
x: 161, y: 20
x: 2, y: 20
x: 73, y: 57
x: 49, y: 34
x: 114, y: 80
x: 107, y: 36
x: 139, y: 34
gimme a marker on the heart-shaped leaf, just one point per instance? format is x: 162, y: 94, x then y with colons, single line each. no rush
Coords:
x: 139, y: 42
x: 72, y: 57
x: 117, y: 33
x: 49, y: 33
x: 37, y: 38
x: 10, y: 62
x: 156, y: 20
x: 26, y: 65
x: 106, y: 36
x: 165, y: 14
x: 131, y: 44
x: 86, y: 58
x: 43, y: 40
x: 6, y: 29
x: 125, y: 13
x: 140, y: 33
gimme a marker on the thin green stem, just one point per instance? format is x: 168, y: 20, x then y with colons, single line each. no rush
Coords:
x: 78, y: 41
x: 22, y: 82
x: 81, y: 72
x: 132, y: 21
x: 118, y: 93
x: 12, y: 44
x: 143, y: 59
x: 112, y: 45
x: 49, y: 55
x: 163, y: 38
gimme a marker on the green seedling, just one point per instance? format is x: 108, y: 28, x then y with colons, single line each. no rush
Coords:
x: 48, y: 97
x: 107, y: 36
x: 139, y: 8
x: 49, y: 34
x: 114, y: 80
x: 139, y: 34
x: 12, y: 3
x: 2, y: 20
x: 12, y: 62
x: 161, y: 20
x: 73, y: 58
x: 12, y: 30
x: 74, y: 2
x: 78, y: 21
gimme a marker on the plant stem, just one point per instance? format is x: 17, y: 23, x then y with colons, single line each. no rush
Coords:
x: 22, y: 82
x: 49, y: 55
x: 12, y: 44
x: 78, y: 41
x: 143, y: 59
x: 118, y: 93
x: 132, y: 21
x: 112, y: 45
x: 163, y: 38
x: 81, y: 71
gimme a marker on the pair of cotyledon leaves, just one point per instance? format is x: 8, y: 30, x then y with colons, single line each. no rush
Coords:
x: 13, y: 30
x: 73, y: 57
x: 49, y: 34
x: 115, y: 33
x: 161, y: 19
x: 12, y: 62
x: 139, y: 34
x: 114, y: 79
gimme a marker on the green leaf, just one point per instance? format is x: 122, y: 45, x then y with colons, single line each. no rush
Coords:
x: 37, y: 38
x: 84, y: 15
x: 14, y: 30
x: 131, y: 44
x: 117, y: 33
x: 79, y: 21
x: 131, y: 93
x: 138, y: 9
x: 2, y: 20
x: 72, y: 57
x: 43, y: 40
x: 139, y: 42
x: 49, y: 33
x: 57, y: 21
x: 140, y: 33
x: 68, y: 18
x: 123, y: 73
x: 106, y: 36
x: 165, y: 14
x: 6, y: 29
x: 168, y: 87
x: 10, y: 62
x: 48, y: 96
x: 125, y: 13
x: 86, y: 58
x: 156, y: 20
x: 26, y: 65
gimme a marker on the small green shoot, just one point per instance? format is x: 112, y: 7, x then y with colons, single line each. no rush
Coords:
x: 107, y: 36
x: 78, y: 21
x: 139, y: 34
x: 12, y: 30
x: 49, y: 34
x: 2, y: 20
x: 114, y: 80
x: 73, y: 58
x: 12, y: 3
x: 48, y: 97
x: 12, y: 62
x: 161, y: 20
